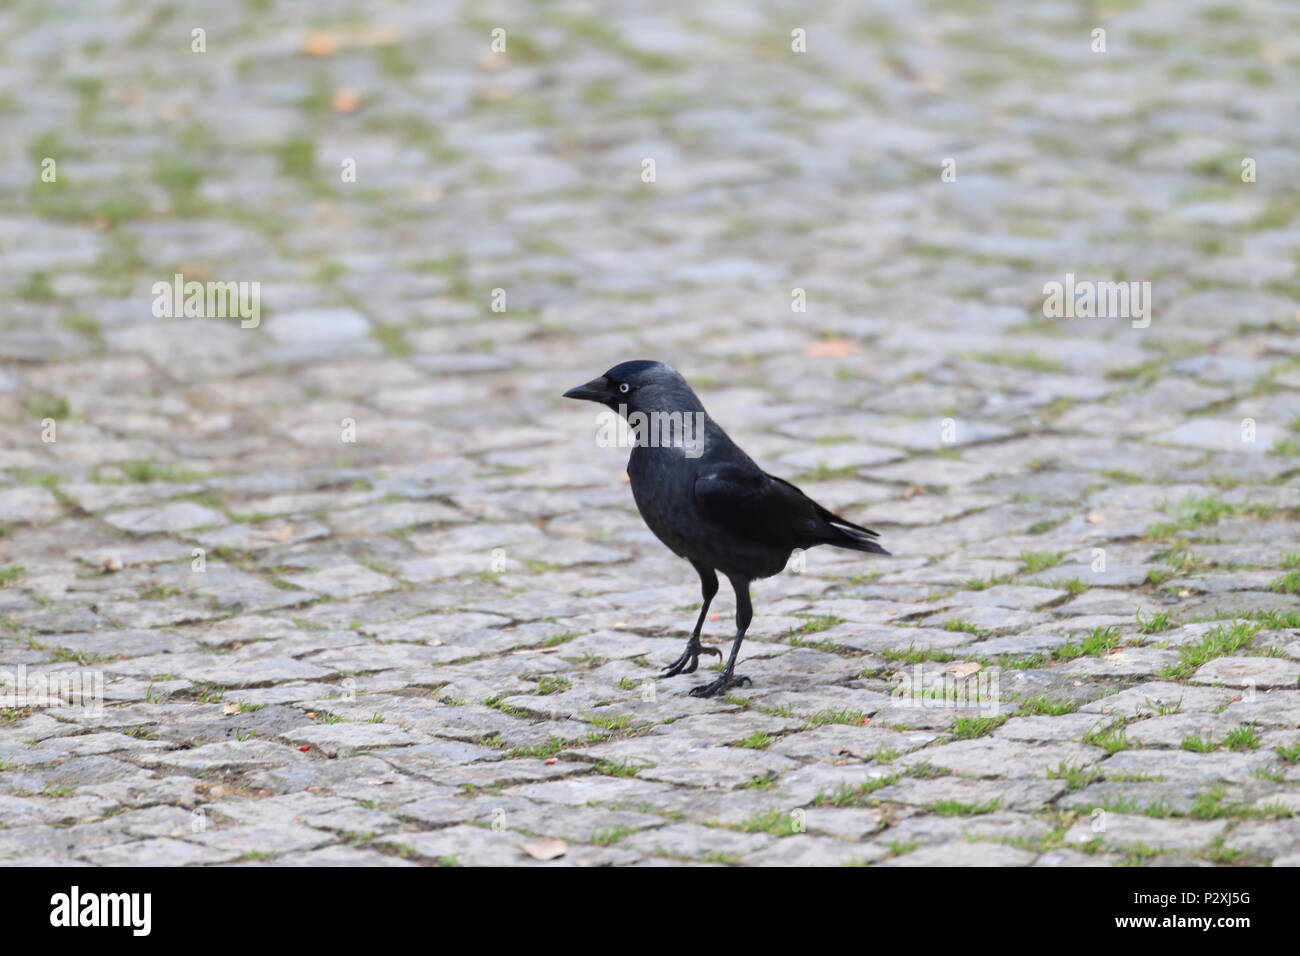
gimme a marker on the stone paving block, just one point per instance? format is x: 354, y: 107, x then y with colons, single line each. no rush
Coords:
x: 1173, y: 729
x: 1265, y: 839
x: 1122, y: 832
x: 1156, y: 697
x: 834, y: 742
x: 990, y: 757
x: 1273, y: 708
x: 160, y: 821
x: 1262, y: 672
x: 988, y: 619
x: 1015, y: 596
x: 238, y: 755
x: 927, y: 829
x: 692, y: 842
x: 844, y: 823
x: 160, y: 851
x: 28, y: 505
x: 802, y: 850
x: 173, y: 517
x: 1146, y: 793
x: 1123, y: 662
x: 334, y: 739
x: 337, y: 855
x: 579, y: 791
x: 466, y: 846
x: 963, y: 854
x: 1187, y: 766
x: 343, y: 581
x: 251, y: 842
x: 1071, y: 727
x: 969, y: 792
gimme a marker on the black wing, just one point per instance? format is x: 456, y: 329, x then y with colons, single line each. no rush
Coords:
x: 749, y: 502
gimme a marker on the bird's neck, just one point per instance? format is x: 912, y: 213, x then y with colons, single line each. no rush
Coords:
x: 686, y: 431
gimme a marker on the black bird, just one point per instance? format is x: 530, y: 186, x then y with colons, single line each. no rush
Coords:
x: 708, y: 502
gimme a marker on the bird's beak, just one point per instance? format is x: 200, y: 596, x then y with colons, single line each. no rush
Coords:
x: 597, y: 390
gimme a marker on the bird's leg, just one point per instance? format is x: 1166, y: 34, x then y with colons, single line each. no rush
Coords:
x: 729, y: 677
x: 690, y: 658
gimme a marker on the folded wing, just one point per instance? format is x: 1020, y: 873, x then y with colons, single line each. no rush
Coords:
x: 746, y: 501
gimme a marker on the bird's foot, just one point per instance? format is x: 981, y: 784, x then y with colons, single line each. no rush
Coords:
x: 690, y: 658
x: 727, y: 680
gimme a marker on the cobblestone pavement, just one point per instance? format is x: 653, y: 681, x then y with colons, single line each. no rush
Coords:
x: 362, y: 589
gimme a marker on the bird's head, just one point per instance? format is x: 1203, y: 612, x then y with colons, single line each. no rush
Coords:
x: 640, y: 386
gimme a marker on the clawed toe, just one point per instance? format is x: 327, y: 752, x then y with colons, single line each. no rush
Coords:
x: 720, y: 685
x: 683, y: 665
x: 690, y: 659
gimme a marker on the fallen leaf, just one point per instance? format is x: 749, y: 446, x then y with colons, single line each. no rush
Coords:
x: 320, y: 43
x: 545, y: 848
x: 831, y: 348
x: 345, y: 100
x: 199, y: 270
x: 1095, y: 517
x: 228, y: 708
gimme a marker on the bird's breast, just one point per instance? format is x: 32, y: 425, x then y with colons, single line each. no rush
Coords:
x: 663, y: 486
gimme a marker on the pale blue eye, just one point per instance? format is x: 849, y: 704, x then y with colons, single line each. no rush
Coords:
x: 623, y: 388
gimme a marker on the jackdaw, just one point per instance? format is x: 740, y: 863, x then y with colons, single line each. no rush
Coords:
x: 708, y: 502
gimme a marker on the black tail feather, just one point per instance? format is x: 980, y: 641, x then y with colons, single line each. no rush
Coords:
x: 842, y: 533
x: 829, y: 528
x: 855, y: 538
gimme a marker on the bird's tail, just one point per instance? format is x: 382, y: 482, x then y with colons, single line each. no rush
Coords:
x: 826, y: 527
x: 842, y: 533
x: 855, y: 538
